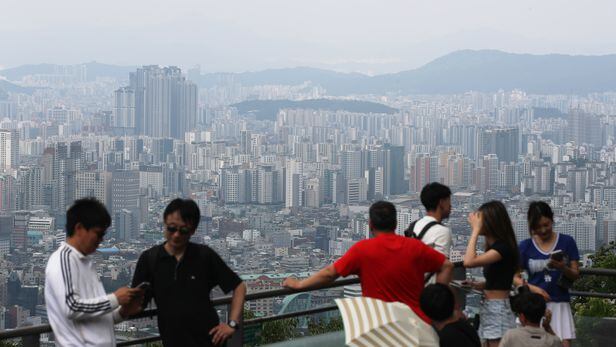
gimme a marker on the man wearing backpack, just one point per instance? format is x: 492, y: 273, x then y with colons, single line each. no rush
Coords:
x: 179, y: 276
x: 390, y: 267
x: 436, y: 198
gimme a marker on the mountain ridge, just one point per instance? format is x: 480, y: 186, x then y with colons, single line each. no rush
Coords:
x: 456, y: 72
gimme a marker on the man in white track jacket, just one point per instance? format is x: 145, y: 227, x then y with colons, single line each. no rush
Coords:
x: 79, y: 310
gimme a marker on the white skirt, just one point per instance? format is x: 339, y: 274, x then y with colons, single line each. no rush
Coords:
x: 562, y: 320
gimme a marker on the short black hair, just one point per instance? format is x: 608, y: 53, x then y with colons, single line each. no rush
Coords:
x: 437, y: 301
x: 432, y: 193
x: 90, y: 212
x: 536, y: 210
x: 383, y: 216
x: 531, y: 305
x: 189, y: 211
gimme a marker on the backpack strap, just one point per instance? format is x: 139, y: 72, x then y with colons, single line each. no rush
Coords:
x: 409, y: 231
x: 426, y: 228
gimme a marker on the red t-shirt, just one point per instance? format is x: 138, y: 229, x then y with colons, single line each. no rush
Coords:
x: 391, y: 268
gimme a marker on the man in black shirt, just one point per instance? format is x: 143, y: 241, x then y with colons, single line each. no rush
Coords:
x: 438, y: 302
x: 181, y: 275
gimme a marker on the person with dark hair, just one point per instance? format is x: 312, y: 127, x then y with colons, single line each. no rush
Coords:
x: 438, y: 302
x: 390, y: 267
x: 80, y: 312
x: 551, y: 260
x: 500, y: 264
x: 531, y: 309
x: 436, y: 198
x: 180, y: 275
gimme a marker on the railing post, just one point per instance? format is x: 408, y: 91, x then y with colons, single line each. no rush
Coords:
x: 237, y: 340
x: 31, y: 340
x: 459, y: 274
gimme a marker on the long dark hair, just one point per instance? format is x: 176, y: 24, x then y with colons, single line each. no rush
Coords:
x: 537, y: 210
x: 496, y: 223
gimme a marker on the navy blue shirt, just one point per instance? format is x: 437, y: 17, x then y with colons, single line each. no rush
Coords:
x: 535, y: 262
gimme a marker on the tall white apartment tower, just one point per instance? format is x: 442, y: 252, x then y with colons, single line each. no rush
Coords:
x: 9, y: 149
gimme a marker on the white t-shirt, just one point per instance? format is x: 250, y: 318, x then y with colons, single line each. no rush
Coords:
x: 437, y: 237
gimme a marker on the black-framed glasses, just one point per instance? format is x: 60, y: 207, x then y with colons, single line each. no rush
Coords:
x: 182, y: 230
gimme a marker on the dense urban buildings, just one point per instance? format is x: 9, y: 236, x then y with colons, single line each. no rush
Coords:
x: 286, y: 192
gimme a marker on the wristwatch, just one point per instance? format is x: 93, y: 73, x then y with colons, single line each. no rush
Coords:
x: 233, y: 324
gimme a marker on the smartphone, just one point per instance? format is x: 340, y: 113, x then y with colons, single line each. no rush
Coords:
x: 557, y: 255
x: 144, y: 285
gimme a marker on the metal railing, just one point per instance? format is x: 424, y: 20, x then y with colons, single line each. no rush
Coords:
x: 30, y: 336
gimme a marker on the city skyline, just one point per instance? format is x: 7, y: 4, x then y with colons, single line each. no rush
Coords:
x: 284, y: 164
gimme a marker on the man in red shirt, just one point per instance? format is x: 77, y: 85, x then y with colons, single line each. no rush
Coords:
x: 390, y: 267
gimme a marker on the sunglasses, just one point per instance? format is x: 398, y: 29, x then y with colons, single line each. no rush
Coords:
x: 182, y: 230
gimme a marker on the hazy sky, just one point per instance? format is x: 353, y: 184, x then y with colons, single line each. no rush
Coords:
x: 348, y: 35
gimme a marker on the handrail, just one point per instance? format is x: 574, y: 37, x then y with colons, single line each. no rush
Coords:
x: 219, y: 301
x: 597, y: 271
x: 226, y: 300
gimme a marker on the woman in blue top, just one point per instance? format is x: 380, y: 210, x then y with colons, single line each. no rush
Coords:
x: 551, y: 260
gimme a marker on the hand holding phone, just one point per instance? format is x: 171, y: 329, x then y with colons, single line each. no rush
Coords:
x: 144, y: 285
x: 557, y: 255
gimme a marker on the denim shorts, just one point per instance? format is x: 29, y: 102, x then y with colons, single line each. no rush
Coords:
x: 495, y: 318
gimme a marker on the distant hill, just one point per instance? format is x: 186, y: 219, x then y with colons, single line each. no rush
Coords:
x: 335, y: 82
x: 458, y: 72
x: 492, y: 70
x: 93, y: 71
x: 268, y: 109
x: 9, y: 87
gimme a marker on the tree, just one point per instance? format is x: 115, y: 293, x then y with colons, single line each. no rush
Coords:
x: 604, y: 258
x: 322, y: 326
x: 592, y: 328
x: 279, y: 330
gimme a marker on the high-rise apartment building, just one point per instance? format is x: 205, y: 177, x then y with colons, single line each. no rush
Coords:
x: 7, y: 192
x: 294, y: 184
x: 576, y: 183
x: 19, y: 236
x: 584, y: 128
x: 29, y: 188
x: 350, y: 161
x: 165, y: 102
x: 393, y: 171
x: 94, y: 184
x: 9, y: 149
x: 504, y: 142
x: 123, y: 116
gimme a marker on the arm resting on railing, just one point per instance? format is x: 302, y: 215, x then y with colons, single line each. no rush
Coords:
x: 324, y: 276
x: 445, y: 274
x: 223, y: 331
x: 237, y: 303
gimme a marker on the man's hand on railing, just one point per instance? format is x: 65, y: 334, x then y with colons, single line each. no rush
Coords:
x: 221, y: 333
x: 291, y: 283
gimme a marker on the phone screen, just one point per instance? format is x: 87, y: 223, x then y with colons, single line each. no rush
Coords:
x: 557, y: 255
